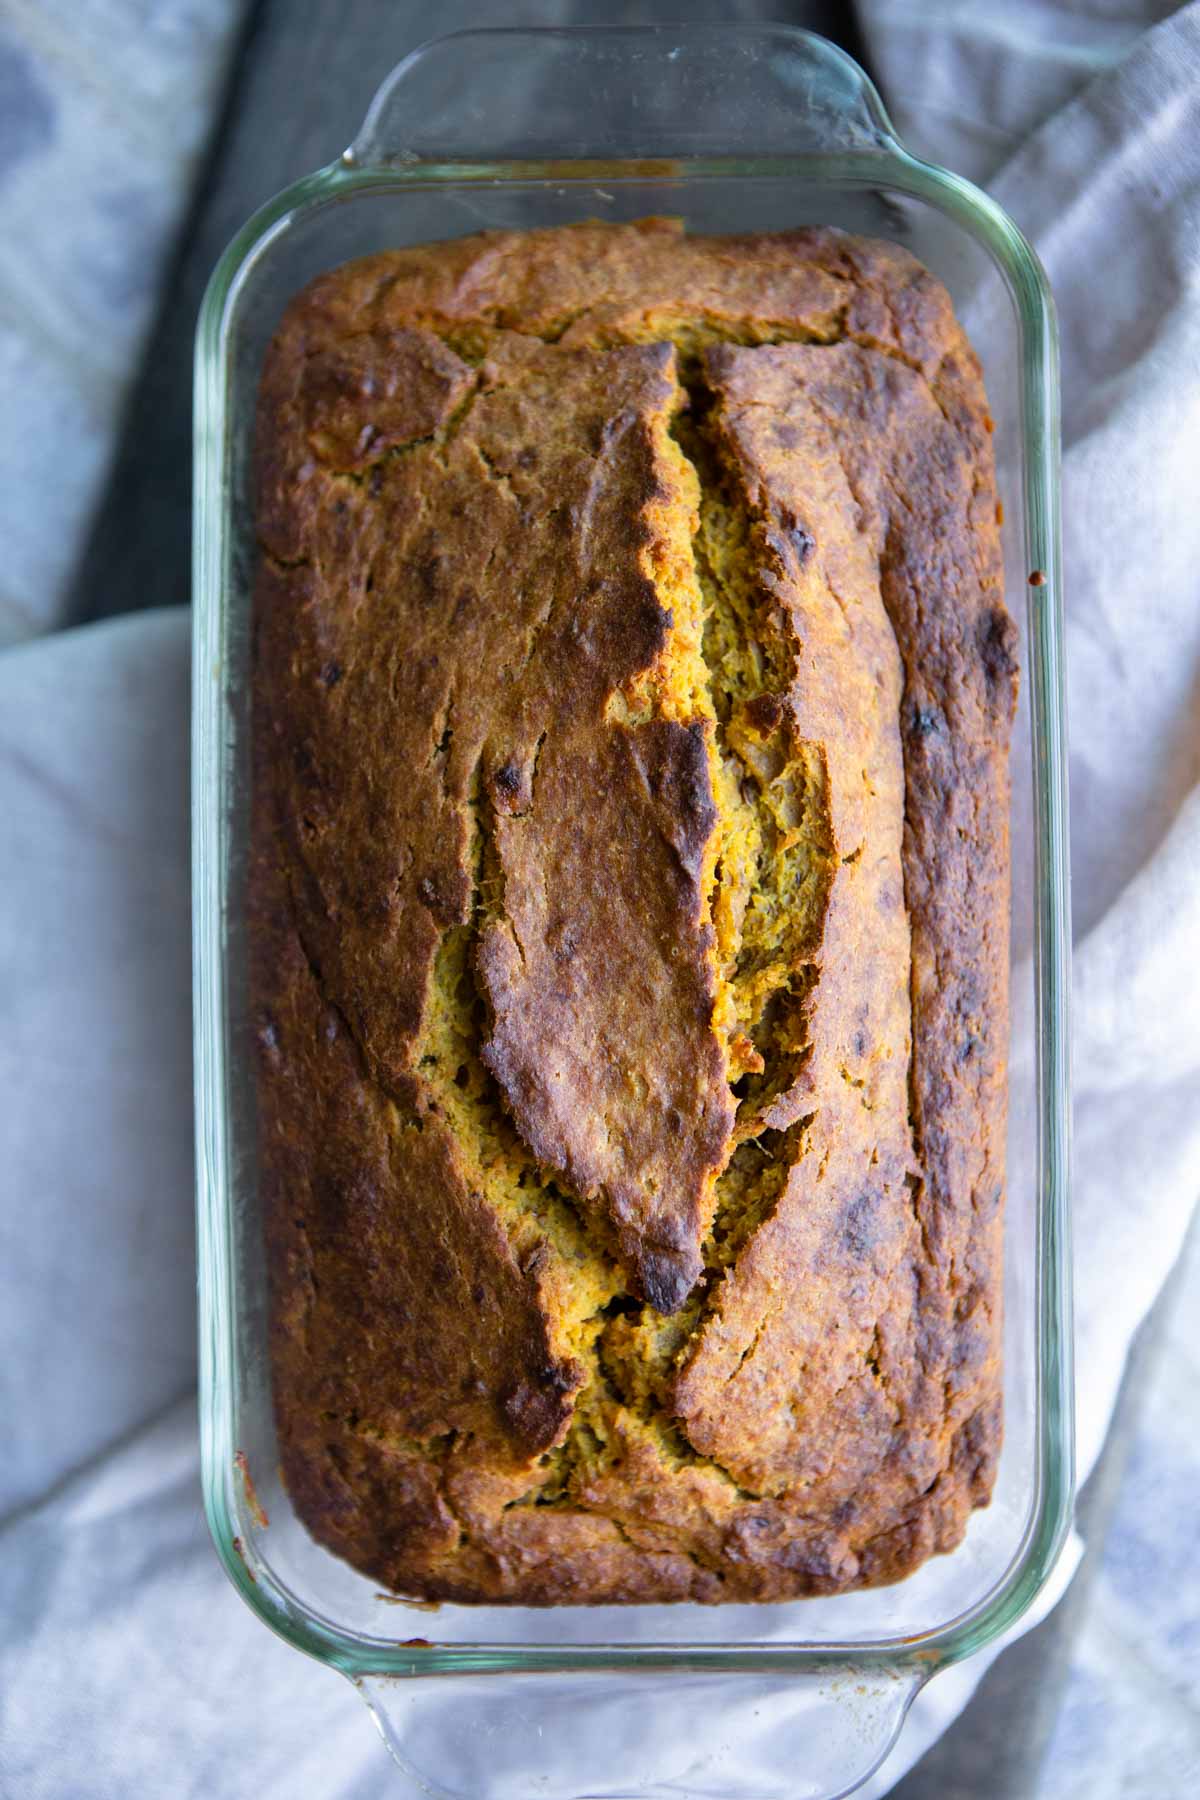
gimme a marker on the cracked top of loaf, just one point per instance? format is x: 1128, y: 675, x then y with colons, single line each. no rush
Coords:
x: 629, y: 914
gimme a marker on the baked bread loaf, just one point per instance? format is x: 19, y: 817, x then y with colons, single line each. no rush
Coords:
x: 629, y: 914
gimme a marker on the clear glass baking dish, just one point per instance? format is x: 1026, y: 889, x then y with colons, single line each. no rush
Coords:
x: 733, y: 128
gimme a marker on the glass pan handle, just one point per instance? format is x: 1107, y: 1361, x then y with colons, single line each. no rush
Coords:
x: 644, y: 1735
x: 605, y: 93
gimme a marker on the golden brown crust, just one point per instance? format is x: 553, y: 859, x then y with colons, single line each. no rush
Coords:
x: 629, y: 914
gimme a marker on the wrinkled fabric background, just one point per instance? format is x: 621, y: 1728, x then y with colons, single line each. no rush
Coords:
x: 127, y: 1664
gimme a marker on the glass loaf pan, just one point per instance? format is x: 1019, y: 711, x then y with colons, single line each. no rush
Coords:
x: 731, y: 128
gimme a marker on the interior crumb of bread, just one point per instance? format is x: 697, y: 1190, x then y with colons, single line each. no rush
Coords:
x: 775, y: 854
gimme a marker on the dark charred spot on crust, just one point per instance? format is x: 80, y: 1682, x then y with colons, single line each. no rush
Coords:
x: 267, y: 1036
x: 763, y: 713
x: 634, y: 630
x: 331, y: 673
x: 800, y: 538
x: 509, y: 789
x: 665, y: 1280
x: 695, y: 788
x: 507, y: 781
x: 998, y: 641
x: 535, y: 1411
x: 562, y: 938
x: 560, y: 1378
x: 527, y: 458
x: 924, y: 721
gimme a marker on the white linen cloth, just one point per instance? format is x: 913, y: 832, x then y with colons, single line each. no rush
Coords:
x: 105, y: 108
x: 127, y: 1664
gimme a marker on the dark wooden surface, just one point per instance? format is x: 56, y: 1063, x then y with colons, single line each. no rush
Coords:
x: 299, y: 86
